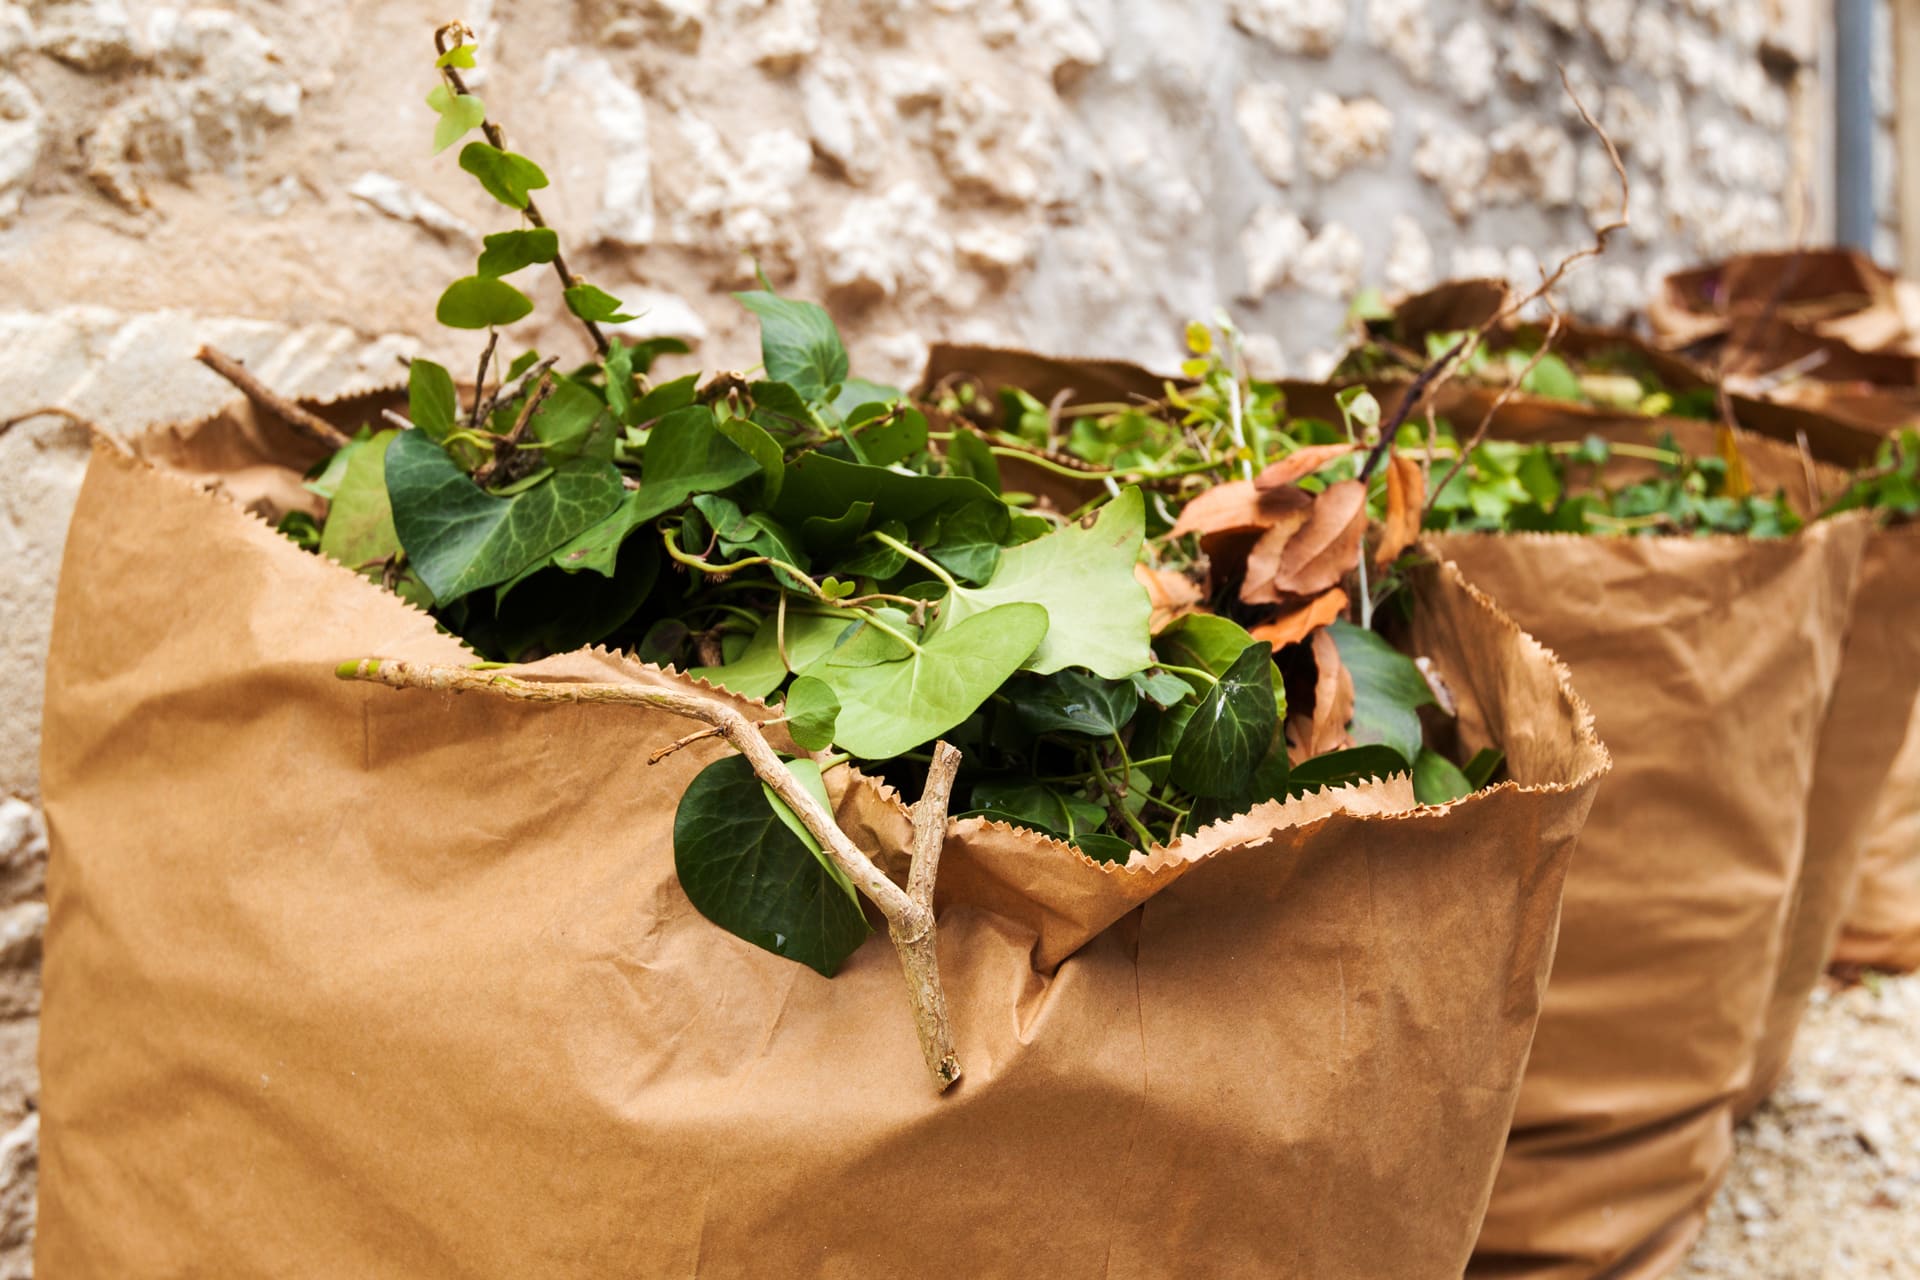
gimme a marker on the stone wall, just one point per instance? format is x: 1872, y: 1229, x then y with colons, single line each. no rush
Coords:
x: 1075, y: 175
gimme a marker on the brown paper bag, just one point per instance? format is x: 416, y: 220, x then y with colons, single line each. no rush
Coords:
x: 1882, y: 926
x: 1710, y: 662
x: 342, y: 981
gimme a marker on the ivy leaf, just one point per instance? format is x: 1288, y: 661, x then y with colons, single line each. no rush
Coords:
x: 510, y: 251
x: 1036, y: 805
x: 460, y: 538
x: 1074, y: 701
x: 596, y: 305
x: 1083, y: 577
x: 507, y: 175
x: 459, y: 113
x: 798, y: 343
x: 665, y: 398
x: 1103, y: 848
x: 573, y: 423
x: 1436, y: 780
x: 759, y: 669
x: 480, y: 302
x: 894, y: 706
x: 432, y: 402
x: 970, y: 456
x: 807, y: 774
x: 1231, y: 730
x: 1485, y: 763
x: 856, y: 392
x: 820, y: 485
x: 618, y: 366
x: 359, y: 524
x: 763, y: 449
x: 1162, y: 688
x: 461, y: 55
x: 1345, y: 768
x: 897, y: 436
x: 812, y: 708
x: 685, y: 455
x: 743, y: 869
x: 1388, y: 691
x: 966, y: 540
x: 752, y: 533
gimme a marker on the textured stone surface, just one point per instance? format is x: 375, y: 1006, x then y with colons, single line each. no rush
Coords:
x: 1076, y: 175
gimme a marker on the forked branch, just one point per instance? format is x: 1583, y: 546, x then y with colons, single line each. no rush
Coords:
x: 909, y: 911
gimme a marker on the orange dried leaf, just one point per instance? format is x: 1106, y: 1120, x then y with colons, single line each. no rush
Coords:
x: 1301, y: 462
x: 1332, y: 696
x: 1318, y: 556
x: 1265, y: 557
x: 1236, y: 505
x: 1406, y: 501
x: 1290, y: 628
x: 1172, y: 594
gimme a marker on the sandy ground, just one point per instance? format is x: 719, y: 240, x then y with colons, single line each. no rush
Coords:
x: 1826, y: 1184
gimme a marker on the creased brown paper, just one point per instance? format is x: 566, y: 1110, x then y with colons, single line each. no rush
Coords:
x: 1709, y: 663
x: 348, y: 982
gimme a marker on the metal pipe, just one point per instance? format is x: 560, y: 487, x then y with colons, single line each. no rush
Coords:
x: 1853, y: 123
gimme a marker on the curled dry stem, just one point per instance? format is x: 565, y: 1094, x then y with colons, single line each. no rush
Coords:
x: 909, y: 911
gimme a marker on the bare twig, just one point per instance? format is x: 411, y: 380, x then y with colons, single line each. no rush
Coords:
x: 307, y: 423
x: 909, y: 912
x: 480, y: 380
x: 1435, y: 374
x: 1499, y: 402
x: 506, y: 449
x: 682, y: 743
x: 459, y: 33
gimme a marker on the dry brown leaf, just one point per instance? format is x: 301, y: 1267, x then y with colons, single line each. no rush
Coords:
x: 1332, y: 696
x: 1301, y: 462
x: 1266, y: 555
x: 1739, y: 483
x: 1327, y: 548
x: 1406, y: 500
x: 1172, y: 594
x: 1291, y: 628
x: 1236, y: 505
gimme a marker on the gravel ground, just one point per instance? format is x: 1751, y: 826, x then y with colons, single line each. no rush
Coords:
x: 1826, y: 1182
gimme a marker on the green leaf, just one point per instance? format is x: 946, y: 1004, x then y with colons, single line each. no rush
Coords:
x: 458, y: 114
x: 510, y: 251
x: 618, y: 366
x: 1553, y: 378
x: 461, y: 55
x: 507, y: 176
x: 1436, y: 780
x: 359, y: 524
x: 1345, y: 768
x: 807, y: 774
x: 970, y: 456
x: 572, y: 423
x: 1388, y: 691
x: 798, y: 343
x: 548, y: 610
x: 1485, y: 763
x: 811, y: 709
x: 819, y: 485
x: 752, y: 533
x: 432, y: 402
x: 597, y: 305
x: 759, y: 669
x: 856, y: 392
x: 1042, y: 807
x: 1083, y: 577
x: 1073, y: 701
x: 966, y: 540
x: 894, y: 706
x: 897, y: 436
x: 460, y: 538
x: 686, y: 454
x: 1231, y: 730
x: 1163, y: 688
x: 746, y: 871
x: 1103, y: 848
x: 478, y: 302
x: 665, y: 398
x: 763, y: 449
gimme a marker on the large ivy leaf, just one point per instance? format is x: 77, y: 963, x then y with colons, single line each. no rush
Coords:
x: 798, y: 343
x: 359, y: 526
x: 966, y: 541
x: 820, y: 485
x: 1037, y: 805
x: 743, y: 869
x: 1345, y: 768
x: 459, y: 537
x: 480, y: 302
x: 572, y: 422
x: 1083, y: 578
x: 1388, y: 691
x: 888, y: 707
x: 548, y: 610
x: 686, y: 454
x: 1231, y: 730
x: 807, y: 774
x: 1074, y: 701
